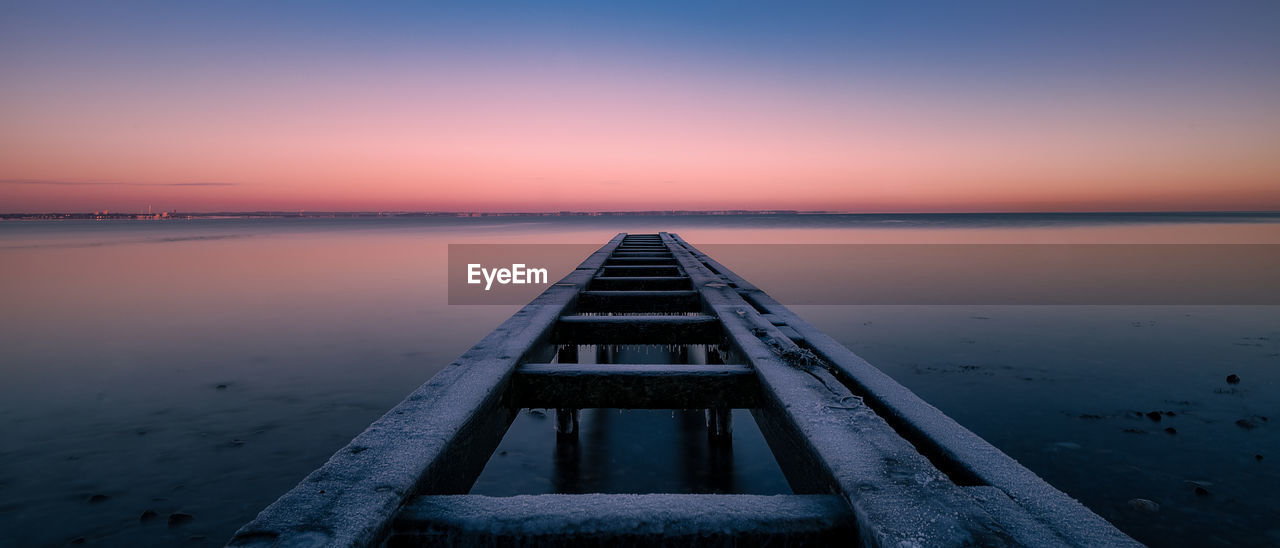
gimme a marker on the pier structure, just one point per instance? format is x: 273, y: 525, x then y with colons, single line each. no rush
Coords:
x: 868, y: 462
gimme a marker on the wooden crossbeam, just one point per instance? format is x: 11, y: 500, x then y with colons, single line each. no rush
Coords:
x: 596, y: 520
x: 640, y: 283
x: 639, y: 301
x: 698, y: 329
x: 634, y: 386
x: 645, y: 270
x: 626, y: 261
x: 645, y: 253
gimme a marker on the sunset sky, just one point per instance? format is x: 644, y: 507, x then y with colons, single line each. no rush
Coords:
x: 543, y: 106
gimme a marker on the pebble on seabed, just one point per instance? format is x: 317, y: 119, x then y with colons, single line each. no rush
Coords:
x: 1144, y: 505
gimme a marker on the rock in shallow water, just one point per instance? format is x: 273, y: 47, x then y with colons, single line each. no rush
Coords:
x: 1144, y: 505
x: 1249, y: 423
x: 1201, y: 488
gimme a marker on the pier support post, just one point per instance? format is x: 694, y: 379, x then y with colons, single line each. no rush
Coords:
x: 566, y: 425
x: 720, y: 424
x: 567, y: 354
x: 713, y: 355
x: 567, y: 419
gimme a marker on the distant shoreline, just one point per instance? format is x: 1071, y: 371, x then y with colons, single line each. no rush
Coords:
x: 106, y: 215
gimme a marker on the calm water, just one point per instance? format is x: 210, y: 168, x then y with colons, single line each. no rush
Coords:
x: 203, y: 367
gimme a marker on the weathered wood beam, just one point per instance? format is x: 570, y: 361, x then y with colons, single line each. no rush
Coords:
x: 596, y: 520
x: 639, y: 261
x: 642, y: 254
x: 640, y: 283
x: 634, y: 386
x: 963, y: 455
x: 636, y: 330
x: 646, y: 270
x: 639, y: 301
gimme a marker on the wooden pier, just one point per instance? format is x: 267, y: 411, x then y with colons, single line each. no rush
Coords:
x: 869, y: 463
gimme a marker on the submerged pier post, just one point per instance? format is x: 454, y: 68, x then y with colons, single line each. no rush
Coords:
x: 720, y: 425
x: 566, y: 425
x: 567, y: 418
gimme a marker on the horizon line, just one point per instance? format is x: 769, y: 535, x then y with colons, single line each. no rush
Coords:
x: 618, y: 212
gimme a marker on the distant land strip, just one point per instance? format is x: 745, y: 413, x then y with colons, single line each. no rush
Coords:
x: 109, y: 215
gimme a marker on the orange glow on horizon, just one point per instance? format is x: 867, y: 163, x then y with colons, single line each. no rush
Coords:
x: 610, y: 130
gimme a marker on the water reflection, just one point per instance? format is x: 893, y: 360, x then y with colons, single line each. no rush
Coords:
x: 631, y: 451
x: 117, y: 337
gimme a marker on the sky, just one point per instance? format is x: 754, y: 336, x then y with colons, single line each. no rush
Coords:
x: 1092, y: 105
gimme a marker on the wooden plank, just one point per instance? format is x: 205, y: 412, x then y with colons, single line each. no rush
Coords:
x: 642, y: 254
x: 435, y: 441
x: 634, y: 271
x: 595, y: 520
x: 639, y: 261
x: 639, y: 301
x: 640, y: 283
x: 634, y: 386
x: 965, y: 456
x: 636, y: 330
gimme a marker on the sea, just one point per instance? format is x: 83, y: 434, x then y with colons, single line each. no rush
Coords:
x: 162, y: 381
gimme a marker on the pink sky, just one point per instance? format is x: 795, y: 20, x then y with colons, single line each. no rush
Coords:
x: 585, y: 128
